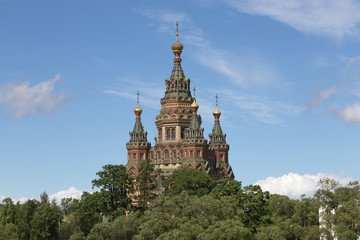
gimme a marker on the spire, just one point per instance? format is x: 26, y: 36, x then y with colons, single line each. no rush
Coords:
x: 194, y: 130
x: 194, y: 106
x: 217, y: 136
x: 138, y: 134
x: 177, y: 72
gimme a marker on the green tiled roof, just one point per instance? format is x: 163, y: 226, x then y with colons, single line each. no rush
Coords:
x: 217, y: 129
x: 194, y: 123
x: 138, y: 127
x: 177, y: 72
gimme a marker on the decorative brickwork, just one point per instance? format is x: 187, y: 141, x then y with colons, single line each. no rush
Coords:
x: 180, y: 139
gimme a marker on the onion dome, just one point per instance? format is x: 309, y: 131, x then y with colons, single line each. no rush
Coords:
x: 194, y: 106
x: 177, y: 46
x: 137, y: 110
x: 216, y: 113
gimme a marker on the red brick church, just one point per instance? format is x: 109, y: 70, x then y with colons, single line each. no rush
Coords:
x: 180, y: 138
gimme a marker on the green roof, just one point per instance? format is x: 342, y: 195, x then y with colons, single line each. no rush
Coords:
x: 217, y: 129
x: 177, y: 72
x: 138, y: 127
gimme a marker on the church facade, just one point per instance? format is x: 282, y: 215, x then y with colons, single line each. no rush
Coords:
x: 180, y: 138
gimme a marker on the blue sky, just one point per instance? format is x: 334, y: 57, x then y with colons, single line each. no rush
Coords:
x: 287, y: 74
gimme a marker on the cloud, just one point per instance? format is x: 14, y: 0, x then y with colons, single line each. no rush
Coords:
x: 335, y: 19
x: 128, y: 87
x: 352, y: 60
x: 244, y: 71
x: 261, y: 108
x: 321, y: 97
x: 294, y: 185
x: 20, y: 99
x: 166, y: 19
x: 72, y: 192
x: 351, y: 113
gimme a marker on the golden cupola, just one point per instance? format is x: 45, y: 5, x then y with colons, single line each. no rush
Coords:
x: 217, y: 112
x: 138, y: 110
x: 177, y: 47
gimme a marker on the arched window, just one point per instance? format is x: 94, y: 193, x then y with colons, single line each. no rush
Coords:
x: 167, y: 134
x: 174, y: 155
x: 159, y: 134
x: 173, y: 134
x: 167, y: 155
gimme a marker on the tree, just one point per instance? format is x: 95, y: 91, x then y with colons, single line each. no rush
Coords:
x: 115, y: 185
x: 193, y: 181
x: 45, y: 222
x: 145, y: 185
x: 25, y: 216
x: 256, y: 206
x: 88, y: 211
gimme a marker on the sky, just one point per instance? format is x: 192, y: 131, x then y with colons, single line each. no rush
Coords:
x: 287, y: 74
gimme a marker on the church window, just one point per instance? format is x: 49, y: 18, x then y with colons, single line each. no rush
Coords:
x: 181, y: 154
x: 159, y: 134
x: 167, y: 134
x: 166, y: 155
x: 159, y: 155
x: 152, y: 155
x: 198, y: 153
x: 221, y: 158
x: 182, y: 133
x: 134, y: 155
x: 173, y: 134
x: 142, y: 156
x: 191, y: 153
x: 174, y: 155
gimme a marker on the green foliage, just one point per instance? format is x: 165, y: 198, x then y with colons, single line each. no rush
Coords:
x: 193, y: 181
x: 45, y: 222
x: 77, y: 236
x: 145, y: 185
x: 193, y: 207
x: 115, y: 185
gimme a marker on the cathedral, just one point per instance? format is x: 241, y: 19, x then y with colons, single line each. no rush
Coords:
x: 180, y: 138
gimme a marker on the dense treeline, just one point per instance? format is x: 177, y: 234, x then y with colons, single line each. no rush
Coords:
x: 193, y: 206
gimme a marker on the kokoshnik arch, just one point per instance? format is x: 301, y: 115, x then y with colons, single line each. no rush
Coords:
x: 180, y: 138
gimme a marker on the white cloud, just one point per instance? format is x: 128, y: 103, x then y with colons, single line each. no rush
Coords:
x: 321, y: 97
x: 21, y: 99
x: 335, y: 19
x: 72, y: 192
x: 261, y: 108
x: 127, y: 88
x: 351, y: 113
x: 294, y: 185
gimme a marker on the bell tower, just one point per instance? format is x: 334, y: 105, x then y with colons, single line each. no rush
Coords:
x: 175, y: 114
x: 138, y: 146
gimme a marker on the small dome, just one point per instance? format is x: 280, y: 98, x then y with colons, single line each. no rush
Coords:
x: 194, y: 106
x: 137, y: 110
x: 177, y: 46
x: 216, y: 113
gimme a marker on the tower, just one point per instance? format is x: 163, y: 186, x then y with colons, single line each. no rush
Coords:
x: 180, y: 138
x: 138, y: 146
